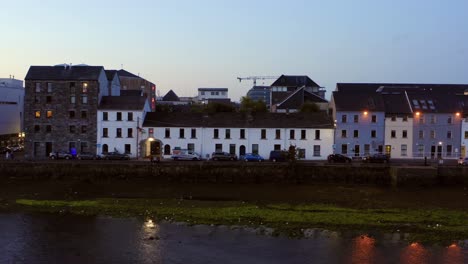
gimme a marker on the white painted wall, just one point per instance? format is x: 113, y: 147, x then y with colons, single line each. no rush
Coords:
x: 464, y: 139
x: 11, y: 106
x: 205, y: 143
x: 396, y: 143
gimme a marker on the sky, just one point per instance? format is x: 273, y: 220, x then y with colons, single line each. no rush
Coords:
x: 187, y: 44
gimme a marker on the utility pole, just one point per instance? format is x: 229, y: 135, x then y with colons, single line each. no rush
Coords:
x: 137, y: 137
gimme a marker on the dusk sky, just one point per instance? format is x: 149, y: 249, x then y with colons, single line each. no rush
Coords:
x: 183, y: 45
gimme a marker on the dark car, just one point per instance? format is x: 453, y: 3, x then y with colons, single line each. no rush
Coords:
x: 463, y: 161
x: 88, y: 156
x: 60, y: 155
x: 278, y: 155
x: 223, y: 156
x: 4, y: 150
x: 377, y: 158
x: 252, y: 157
x: 339, y: 158
x: 116, y: 156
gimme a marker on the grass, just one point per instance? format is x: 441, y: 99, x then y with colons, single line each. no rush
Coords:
x: 425, y: 225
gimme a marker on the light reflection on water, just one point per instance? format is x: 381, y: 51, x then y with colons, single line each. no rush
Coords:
x: 76, y: 239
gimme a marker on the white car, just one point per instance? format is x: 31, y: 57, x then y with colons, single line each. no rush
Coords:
x: 186, y: 156
x: 463, y: 161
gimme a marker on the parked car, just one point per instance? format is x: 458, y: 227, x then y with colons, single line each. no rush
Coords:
x: 338, y: 158
x: 115, y: 156
x: 252, y: 157
x: 60, y: 155
x: 17, y: 147
x: 278, y: 155
x: 223, y: 156
x: 376, y: 158
x: 88, y: 156
x: 3, y: 150
x: 463, y: 161
x: 186, y: 156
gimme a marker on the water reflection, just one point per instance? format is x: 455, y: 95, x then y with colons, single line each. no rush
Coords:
x: 453, y: 254
x: 363, y: 250
x: 415, y: 253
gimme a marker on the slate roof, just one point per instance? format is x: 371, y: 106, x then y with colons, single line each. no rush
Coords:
x: 238, y: 120
x: 295, y: 81
x: 59, y: 73
x: 355, y: 87
x: 358, y: 101
x: 125, y: 73
x: 171, y: 96
x: 122, y: 103
x: 213, y: 89
x: 397, y: 103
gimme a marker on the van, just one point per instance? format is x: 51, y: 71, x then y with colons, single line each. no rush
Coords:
x: 278, y: 155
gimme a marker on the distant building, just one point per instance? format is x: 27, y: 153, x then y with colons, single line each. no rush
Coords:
x: 206, y: 94
x: 11, y: 109
x: 260, y: 93
x: 130, y: 81
x: 290, y: 92
x: 60, y: 108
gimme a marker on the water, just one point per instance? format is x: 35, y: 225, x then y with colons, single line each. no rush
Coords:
x: 45, y: 238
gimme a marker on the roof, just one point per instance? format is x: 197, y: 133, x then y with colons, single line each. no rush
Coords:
x: 295, y: 81
x: 171, y: 96
x: 353, y: 87
x: 397, y: 103
x: 358, y: 101
x: 110, y: 74
x: 239, y: 120
x: 125, y: 73
x: 122, y: 103
x: 59, y: 73
x: 213, y: 89
x: 297, y: 99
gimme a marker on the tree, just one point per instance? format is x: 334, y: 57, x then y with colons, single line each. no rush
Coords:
x: 249, y: 105
x: 309, y: 107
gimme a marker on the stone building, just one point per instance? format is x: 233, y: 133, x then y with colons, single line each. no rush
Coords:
x: 11, y: 107
x: 60, y: 112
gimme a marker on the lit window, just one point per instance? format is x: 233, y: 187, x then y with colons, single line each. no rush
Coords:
x: 49, y: 114
x: 37, y: 114
x: 85, y: 88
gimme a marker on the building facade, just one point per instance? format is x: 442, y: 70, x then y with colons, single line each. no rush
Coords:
x: 130, y: 81
x: 60, y: 112
x: 11, y: 107
x: 207, y: 94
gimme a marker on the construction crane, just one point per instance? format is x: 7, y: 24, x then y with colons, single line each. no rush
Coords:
x: 255, y: 78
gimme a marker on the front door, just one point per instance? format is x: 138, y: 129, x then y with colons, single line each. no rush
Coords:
x: 439, y: 152
x: 388, y: 149
x: 155, y: 148
x: 356, y: 150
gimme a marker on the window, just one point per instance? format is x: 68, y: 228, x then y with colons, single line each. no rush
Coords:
x: 72, y: 88
x: 374, y: 119
x: 130, y: 116
x: 393, y: 118
x: 303, y: 133
x: 404, y: 150
x: 128, y: 148
x: 129, y: 132
x: 433, y: 134
x: 405, y: 119
x: 373, y: 134
x: 449, y: 150
x: 84, y: 146
x: 433, y: 119
x: 38, y: 87
x: 71, y: 114
x: 421, y: 134
x: 316, y: 150
x: 37, y: 99
x: 263, y: 134
x: 393, y: 134
x: 277, y: 134
x: 72, y: 129
x: 37, y: 128
x: 449, y: 134
x: 49, y: 87
x: 343, y: 119
x: 255, y: 148
x: 356, y: 119
x: 119, y: 116
x: 48, y: 99
x: 291, y: 134
x: 48, y: 128
x: 421, y: 120
x: 84, y: 114
x: 167, y: 133
x: 84, y: 99
x: 85, y: 88
x: 242, y: 133
x: 105, y: 148
x: 191, y: 147
x: 151, y: 131
x: 449, y: 120
x: 193, y: 133
x: 84, y: 129
x: 49, y: 113
x: 404, y: 134
x: 420, y: 151
x: 218, y: 147
x: 37, y: 114
x: 105, y: 116
x: 227, y: 133
x: 232, y: 148
x: 277, y: 147
x: 72, y: 99
x: 215, y: 133
x: 466, y: 134
x: 344, y: 149
x: 366, y: 149
x: 105, y: 132
x: 167, y: 150
x: 356, y: 133
x: 118, y: 132
x: 181, y: 133
x: 343, y: 133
